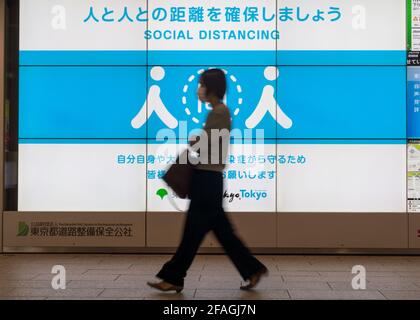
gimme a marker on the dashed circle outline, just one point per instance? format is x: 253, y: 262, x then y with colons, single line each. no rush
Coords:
x: 192, y: 77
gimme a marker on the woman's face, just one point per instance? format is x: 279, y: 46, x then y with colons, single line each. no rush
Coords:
x: 202, y: 93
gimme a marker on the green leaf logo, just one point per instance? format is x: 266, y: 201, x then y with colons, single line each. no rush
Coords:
x: 162, y: 193
x: 23, y: 229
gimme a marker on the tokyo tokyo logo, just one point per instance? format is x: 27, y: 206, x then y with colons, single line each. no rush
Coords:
x: 245, y: 194
x: 230, y: 196
x: 193, y: 108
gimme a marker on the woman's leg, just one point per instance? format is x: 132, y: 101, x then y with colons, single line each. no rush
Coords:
x: 197, y: 224
x: 175, y: 270
x: 240, y: 255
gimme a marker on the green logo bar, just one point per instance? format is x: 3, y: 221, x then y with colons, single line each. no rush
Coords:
x: 23, y: 229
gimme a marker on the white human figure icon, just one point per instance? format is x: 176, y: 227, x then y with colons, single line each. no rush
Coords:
x: 266, y: 102
x: 155, y: 104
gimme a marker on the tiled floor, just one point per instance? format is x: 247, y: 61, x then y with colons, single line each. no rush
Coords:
x: 94, y: 276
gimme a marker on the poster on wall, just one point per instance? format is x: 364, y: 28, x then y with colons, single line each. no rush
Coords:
x: 413, y: 32
x: 325, y: 82
x: 413, y: 176
x: 413, y: 25
x: 413, y: 102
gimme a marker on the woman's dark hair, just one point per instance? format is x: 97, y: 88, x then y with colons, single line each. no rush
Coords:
x: 215, y: 82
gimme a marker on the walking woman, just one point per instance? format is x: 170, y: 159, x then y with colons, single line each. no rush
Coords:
x: 206, y: 211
